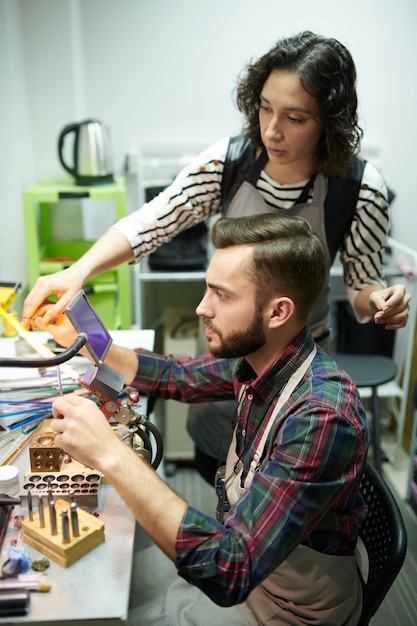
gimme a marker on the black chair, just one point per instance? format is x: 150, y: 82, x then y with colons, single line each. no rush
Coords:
x: 384, y: 536
x: 370, y: 370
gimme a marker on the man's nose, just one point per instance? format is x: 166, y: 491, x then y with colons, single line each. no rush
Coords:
x: 203, y: 309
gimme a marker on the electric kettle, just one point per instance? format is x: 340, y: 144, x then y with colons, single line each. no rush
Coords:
x: 91, y: 160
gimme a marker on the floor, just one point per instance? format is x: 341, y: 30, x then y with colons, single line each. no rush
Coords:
x: 399, y: 607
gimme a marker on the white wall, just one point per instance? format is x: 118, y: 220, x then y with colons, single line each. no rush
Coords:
x: 164, y: 70
x: 15, y: 149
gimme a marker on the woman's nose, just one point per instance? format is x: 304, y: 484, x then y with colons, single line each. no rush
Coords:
x: 274, y: 130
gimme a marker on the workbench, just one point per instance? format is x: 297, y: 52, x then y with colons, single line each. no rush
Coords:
x: 95, y: 589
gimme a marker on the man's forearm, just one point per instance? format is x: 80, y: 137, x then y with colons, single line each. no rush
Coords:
x: 155, y: 506
x: 124, y: 361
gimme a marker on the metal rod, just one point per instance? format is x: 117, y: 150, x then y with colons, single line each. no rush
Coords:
x: 30, y: 505
x: 74, y: 520
x: 50, y: 494
x: 65, y: 526
x: 52, y: 518
x: 41, y: 513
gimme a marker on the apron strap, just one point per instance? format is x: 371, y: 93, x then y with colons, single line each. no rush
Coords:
x: 285, y: 395
x: 233, y: 475
x: 257, y: 168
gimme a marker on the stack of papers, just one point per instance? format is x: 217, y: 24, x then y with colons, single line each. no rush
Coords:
x: 26, y: 396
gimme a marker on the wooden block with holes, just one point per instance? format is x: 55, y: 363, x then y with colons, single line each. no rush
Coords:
x: 91, y: 535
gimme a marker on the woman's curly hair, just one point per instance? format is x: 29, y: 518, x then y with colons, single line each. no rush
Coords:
x: 327, y: 72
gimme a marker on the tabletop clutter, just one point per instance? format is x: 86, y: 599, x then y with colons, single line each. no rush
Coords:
x: 49, y: 506
x: 57, y: 496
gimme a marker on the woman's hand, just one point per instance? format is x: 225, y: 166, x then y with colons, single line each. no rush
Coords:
x: 64, y: 284
x: 393, y: 306
x: 60, y: 328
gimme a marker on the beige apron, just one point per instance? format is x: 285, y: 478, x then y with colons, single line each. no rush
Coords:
x: 308, y: 587
x: 248, y: 201
x: 202, y: 420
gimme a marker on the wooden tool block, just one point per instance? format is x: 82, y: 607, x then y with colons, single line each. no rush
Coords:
x: 91, y: 535
x: 72, y: 476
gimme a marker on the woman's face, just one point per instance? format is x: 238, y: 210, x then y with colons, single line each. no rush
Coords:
x: 289, y: 119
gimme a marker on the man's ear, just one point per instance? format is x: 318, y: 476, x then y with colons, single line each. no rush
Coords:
x: 281, y: 310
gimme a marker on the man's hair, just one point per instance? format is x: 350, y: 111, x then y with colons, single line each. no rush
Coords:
x: 289, y: 258
x: 327, y: 72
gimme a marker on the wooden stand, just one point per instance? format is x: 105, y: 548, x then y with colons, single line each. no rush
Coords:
x: 91, y: 536
x: 48, y: 472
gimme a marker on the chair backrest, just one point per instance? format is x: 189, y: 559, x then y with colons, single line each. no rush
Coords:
x: 385, y: 538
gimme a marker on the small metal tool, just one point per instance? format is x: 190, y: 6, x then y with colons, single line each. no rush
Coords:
x: 74, y: 520
x: 65, y: 526
x: 50, y: 494
x: 41, y: 513
x: 30, y: 505
x: 52, y: 517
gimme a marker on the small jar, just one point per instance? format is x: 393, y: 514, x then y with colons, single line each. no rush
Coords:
x: 9, y: 480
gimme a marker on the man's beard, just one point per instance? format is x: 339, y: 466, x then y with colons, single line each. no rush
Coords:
x: 241, y: 342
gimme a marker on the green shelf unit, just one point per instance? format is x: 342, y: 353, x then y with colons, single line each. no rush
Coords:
x: 108, y: 292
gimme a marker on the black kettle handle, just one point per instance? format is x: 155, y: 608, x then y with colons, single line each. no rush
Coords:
x: 67, y: 129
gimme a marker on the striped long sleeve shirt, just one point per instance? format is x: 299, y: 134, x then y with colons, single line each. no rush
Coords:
x: 306, y: 489
x: 196, y: 195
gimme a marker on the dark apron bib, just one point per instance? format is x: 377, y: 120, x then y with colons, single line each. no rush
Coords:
x: 248, y: 201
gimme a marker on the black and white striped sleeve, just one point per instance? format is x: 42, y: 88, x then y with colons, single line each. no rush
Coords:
x: 362, y: 254
x: 193, y: 196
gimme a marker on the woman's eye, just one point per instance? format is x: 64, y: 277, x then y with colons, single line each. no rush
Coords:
x: 264, y: 107
x: 296, y: 120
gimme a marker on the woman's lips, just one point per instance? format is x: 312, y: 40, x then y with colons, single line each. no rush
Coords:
x: 275, y: 152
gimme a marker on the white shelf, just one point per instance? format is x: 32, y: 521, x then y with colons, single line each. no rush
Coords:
x: 143, y: 272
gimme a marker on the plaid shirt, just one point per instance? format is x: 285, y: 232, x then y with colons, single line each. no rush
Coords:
x: 306, y: 488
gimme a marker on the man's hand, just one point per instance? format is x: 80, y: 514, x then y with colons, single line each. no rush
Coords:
x: 83, y: 431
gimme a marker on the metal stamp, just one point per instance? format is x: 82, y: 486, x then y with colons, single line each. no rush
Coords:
x: 52, y: 518
x: 74, y: 520
x: 65, y: 526
x: 41, y: 513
